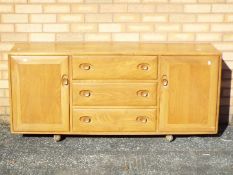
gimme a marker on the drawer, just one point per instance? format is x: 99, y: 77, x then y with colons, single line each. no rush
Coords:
x: 114, y: 120
x: 114, y: 67
x: 114, y: 94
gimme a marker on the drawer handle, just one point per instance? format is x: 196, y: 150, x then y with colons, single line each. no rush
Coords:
x: 65, y: 80
x: 142, y: 119
x: 143, y: 93
x: 85, y: 93
x: 144, y: 66
x: 85, y: 119
x: 85, y: 66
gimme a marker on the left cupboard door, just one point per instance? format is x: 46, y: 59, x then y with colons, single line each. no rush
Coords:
x: 39, y: 94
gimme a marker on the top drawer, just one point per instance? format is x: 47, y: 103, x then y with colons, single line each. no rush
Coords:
x: 114, y: 67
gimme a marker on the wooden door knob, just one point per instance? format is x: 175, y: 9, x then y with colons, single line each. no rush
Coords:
x: 142, y: 119
x: 65, y: 80
x: 165, y: 82
x: 143, y: 93
x: 85, y: 119
x: 85, y: 93
x: 85, y: 66
x: 144, y: 66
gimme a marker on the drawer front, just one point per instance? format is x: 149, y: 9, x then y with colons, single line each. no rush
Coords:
x: 114, y: 120
x: 114, y: 94
x: 114, y: 67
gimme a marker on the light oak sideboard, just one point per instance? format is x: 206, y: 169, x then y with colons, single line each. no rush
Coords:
x: 114, y: 89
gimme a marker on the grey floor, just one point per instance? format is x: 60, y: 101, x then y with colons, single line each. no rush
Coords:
x: 115, y: 155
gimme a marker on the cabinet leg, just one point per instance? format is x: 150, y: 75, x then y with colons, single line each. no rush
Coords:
x: 57, y: 137
x: 169, y: 138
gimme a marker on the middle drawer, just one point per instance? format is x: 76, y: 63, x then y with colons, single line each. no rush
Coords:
x: 114, y: 94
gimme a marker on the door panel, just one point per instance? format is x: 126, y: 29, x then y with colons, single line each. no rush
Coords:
x: 40, y: 102
x: 189, y: 93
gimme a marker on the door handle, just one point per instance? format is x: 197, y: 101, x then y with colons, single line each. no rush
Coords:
x: 65, y: 80
x: 164, y: 80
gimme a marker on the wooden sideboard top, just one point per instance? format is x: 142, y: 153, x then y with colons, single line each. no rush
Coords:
x: 106, y: 48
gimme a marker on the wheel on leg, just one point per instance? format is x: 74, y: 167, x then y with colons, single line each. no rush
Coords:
x: 169, y: 138
x: 57, y: 138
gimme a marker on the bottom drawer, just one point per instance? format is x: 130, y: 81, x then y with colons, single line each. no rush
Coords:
x: 114, y: 120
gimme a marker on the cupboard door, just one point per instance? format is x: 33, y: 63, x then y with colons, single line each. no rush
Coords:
x: 189, y: 94
x: 40, y: 93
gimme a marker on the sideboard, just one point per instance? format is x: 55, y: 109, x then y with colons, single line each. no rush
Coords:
x: 114, y: 88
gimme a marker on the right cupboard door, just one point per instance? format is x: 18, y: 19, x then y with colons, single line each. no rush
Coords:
x: 189, y: 94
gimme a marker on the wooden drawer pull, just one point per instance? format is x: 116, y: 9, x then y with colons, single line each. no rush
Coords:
x: 85, y: 66
x: 143, y: 93
x: 85, y: 93
x: 144, y: 66
x: 142, y: 119
x: 85, y: 119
